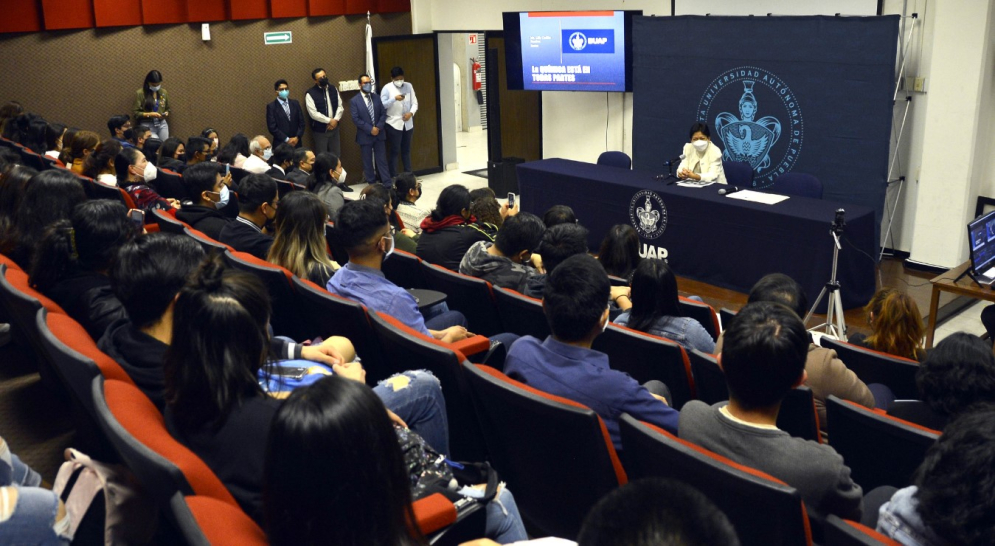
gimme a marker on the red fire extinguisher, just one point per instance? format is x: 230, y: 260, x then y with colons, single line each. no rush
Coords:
x: 476, y: 75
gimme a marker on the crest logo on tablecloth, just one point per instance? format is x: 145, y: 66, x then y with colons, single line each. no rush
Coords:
x: 648, y: 214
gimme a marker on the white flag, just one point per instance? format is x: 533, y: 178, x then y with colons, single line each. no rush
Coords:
x: 369, y: 50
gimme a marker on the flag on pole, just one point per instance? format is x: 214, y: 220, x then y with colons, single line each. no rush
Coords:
x: 369, y: 48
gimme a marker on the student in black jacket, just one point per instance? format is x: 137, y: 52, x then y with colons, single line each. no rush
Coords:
x: 209, y: 194
x: 450, y: 230
x: 257, y: 202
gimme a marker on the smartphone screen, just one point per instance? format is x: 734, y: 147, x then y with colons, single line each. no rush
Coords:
x: 227, y: 169
x: 511, y: 200
x: 137, y: 218
x: 292, y: 372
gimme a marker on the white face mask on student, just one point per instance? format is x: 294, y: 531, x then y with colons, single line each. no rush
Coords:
x: 150, y: 172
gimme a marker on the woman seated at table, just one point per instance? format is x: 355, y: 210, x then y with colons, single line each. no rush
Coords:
x: 702, y: 159
x: 897, y: 326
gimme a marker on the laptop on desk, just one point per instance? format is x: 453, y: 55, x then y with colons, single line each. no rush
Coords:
x: 981, y: 238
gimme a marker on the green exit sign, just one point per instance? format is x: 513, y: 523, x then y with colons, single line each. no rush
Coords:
x: 271, y: 38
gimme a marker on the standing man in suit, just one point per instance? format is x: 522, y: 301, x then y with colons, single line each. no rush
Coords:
x: 325, y: 107
x: 284, y: 117
x: 370, y: 118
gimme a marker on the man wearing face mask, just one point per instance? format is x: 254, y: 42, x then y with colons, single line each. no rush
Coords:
x: 252, y: 230
x: 303, y: 164
x: 325, y: 108
x: 575, y: 302
x: 260, y: 152
x: 398, y: 98
x: 284, y: 117
x: 210, y: 194
x: 370, y: 117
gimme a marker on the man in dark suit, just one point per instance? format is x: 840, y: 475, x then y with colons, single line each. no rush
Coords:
x: 370, y: 117
x: 303, y: 163
x: 282, y: 161
x: 257, y: 203
x: 284, y: 117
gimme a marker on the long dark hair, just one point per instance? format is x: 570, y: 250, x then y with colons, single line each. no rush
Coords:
x: 619, y: 252
x: 87, y: 242
x: 13, y: 184
x: 152, y: 78
x: 239, y: 144
x: 168, y: 149
x: 126, y: 158
x: 209, y: 371
x: 334, y: 470
x: 452, y: 201
x: 101, y: 158
x: 81, y: 141
x: 654, y: 294
x: 323, y: 163
x: 49, y: 196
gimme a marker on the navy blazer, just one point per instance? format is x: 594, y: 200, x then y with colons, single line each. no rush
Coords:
x: 361, y: 117
x: 282, y: 128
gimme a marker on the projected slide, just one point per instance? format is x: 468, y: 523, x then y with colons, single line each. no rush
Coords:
x: 573, y: 51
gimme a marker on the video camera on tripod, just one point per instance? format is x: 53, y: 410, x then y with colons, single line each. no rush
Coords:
x: 835, y: 324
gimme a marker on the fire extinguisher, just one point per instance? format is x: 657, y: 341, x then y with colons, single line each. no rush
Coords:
x: 476, y: 75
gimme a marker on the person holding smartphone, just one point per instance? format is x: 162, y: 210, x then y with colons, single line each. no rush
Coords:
x: 399, y: 99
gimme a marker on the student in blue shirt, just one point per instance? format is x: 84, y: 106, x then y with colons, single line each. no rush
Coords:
x: 575, y: 300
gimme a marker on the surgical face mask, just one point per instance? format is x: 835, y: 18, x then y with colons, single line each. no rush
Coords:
x: 284, y: 93
x: 700, y: 145
x: 341, y: 179
x: 215, y: 139
x: 605, y: 325
x: 155, y: 87
x: 223, y: 201
x: 267, y: 153
x: 390, y: 249
x: 150, y: 172
x: 323, y: 82
x: 399, y: 83
x: 367, y: 88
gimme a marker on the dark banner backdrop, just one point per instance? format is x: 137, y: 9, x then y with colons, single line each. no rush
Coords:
x: 785, y: 94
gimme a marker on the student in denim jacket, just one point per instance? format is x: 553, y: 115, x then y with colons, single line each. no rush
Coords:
x: 654, y: 307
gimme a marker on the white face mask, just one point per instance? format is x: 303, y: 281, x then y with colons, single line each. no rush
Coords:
x: 399, y: 83
x: 215, y: 142
x: 267, y: 153
x: 389, y: 250
x: 223, y: 201
x: 341, y: 179
x: 700, y: 145
x: 608, y: 319
x: 150, y: 172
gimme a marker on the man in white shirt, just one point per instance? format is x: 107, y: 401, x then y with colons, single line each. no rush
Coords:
x: 260, y: 151
x: 399, y: 99
x: 325, y: 108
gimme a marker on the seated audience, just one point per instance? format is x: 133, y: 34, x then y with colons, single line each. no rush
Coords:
x: 365, y: 233
x: 558, y: 243
x: 958, y: 374
x: 282, y: 161
x: 72, y: 259
x: 559, y: 214
x: 13, y: 185
x: 507, y: 262
x: 100, y: 164
x: 656, y: 512
x: 214, y: 402
x: 235, y: 152
x: 897, y: 326
x: 407, y: 191
x: 251, y: 230
x: 172, y: 155
x: 763, y: 357
x: 953, y: 498
x: 9, y: 158
x: 325, y: 180
x: 619, y: 251
x: 9, y: 111
x: 54, y: 135
x: 198, y: 151
x: 299, y: 244
x: 209, y: 194
x: 134, y: 174
x: 489, y: 213
x: 576, y: 305
x: 49, y: 196
x: 29, y: 513
x: 117, y: 125
x: 450, y: 230
x: 82, y: 145
x: 655, y: 308
x: 302, y: 166
x: 359, y: 491
x: 212, y: 135
x: 825, y: 373
x: 151, y: 150
x: 404, y: 238
x: 138, y: 135
x: 260, y: 153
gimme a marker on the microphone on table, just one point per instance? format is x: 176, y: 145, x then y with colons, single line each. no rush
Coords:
x: 670, y: 165
x: 731, y: 189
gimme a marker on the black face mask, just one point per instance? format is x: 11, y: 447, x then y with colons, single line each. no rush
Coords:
x: 323, y: 82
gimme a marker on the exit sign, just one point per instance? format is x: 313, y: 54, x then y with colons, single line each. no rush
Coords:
x: 271, y: 38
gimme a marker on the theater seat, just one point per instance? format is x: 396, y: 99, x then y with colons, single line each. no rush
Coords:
x: 404, y: 270
x: 898, y: 373
x: 646, y: 357
x: 878, y: 448
x: 615, y: 159
x: 555, y: 454
x: 763, y: 509
x: 285, y: 318
x: 170, y: 184
x: 208, y: 244
x: 843, y: 532
x: 726, y: 315
x: 20, y: 305
x: 168, y: 223
x: 703, y: 313
x: 798, y: 416
x: 523, y: 315
x: 469, y: 295
x: 709, y: 379
x: 206, y: 521
x: 797, y: 184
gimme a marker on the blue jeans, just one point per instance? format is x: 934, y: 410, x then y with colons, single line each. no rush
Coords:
x: 504, y: 522
x: 446, y: 319
x: 33, y: 519
x: 419, y: 402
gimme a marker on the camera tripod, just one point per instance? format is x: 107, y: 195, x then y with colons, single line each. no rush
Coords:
x: 835, y: 325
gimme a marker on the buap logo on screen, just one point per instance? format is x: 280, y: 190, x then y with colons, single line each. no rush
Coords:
x: 588, y: 40
x: 770, y: 144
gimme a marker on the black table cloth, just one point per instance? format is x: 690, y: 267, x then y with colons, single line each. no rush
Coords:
x: 708, y: 237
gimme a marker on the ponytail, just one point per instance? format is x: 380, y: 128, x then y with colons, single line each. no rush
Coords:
x: 56, y: 256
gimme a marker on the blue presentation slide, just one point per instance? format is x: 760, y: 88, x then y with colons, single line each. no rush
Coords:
x: 573, y: 51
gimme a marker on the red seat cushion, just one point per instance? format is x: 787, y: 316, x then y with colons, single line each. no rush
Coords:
x: 72, y: 333
x: 19, y: 280
x: 223, y: 523
x: 434, y: 512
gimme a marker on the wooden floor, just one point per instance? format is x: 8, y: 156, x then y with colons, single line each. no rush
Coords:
x: 891, y: 273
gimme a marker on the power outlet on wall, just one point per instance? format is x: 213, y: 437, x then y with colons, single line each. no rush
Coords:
x: 349, y: 85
